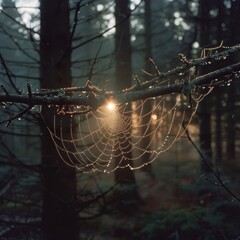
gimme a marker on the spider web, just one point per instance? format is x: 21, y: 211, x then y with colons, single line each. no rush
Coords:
x: 122, y: 135
x: 127, y: 135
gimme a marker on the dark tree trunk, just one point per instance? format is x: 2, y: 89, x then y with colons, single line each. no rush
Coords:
x: 234, y: 18
x: 59, y: 181
x: 124, y: 176
x: 231, y: 127
x: 232, y: 90
x: 218, y: 125
x: 204, y: 111
x: 146, y: 119
x: 218, y: 94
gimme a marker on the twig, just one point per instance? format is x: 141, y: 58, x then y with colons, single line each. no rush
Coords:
x: 94, y: 62
x: 184, y: 59
x: 5, y: 188
x: 19, y: 46
x: 192, y: 63
x: 29, y: 91
x: 4, y: 89
x: 92, y: 97
x: 136, y: 78
x: 215, y: 174
x: 18, y: 22
x: 107, y: 30
x: 8, y: 75
x: 157, y: 72
x: 75, y: 21
x: 132, y: 94
x: 147, y: 73
x: 10, y: 119
x: 31, y: 37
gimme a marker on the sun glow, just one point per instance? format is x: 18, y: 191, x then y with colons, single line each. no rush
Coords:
x: 111, y: 106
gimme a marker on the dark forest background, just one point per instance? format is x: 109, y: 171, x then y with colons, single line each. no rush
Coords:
x: 61, y: 43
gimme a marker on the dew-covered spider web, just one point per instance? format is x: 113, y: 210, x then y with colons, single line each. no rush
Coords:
x: 130, y: 135
x: 122, y: 135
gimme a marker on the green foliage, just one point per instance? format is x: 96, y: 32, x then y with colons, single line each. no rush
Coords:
x: 187, y: 223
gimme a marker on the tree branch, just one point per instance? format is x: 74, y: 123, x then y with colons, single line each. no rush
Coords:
x: 127, y: 95
x: 9, y: 75
x: 105, y: 31
x: 189, y: 64
x: 219, y: 182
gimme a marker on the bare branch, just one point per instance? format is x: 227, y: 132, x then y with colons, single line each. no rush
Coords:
x: 94, y: 62
x: 19, y: 115
x: 127, y: 95
x: 157, y: 72
x: 29, y: 91
x: 219, y: 182
x: 18, y: 22
x: 75, y: 21
x: 105, y: 31
x: 9, y: 75
x: 19, y: 47
x: 4, y: 90
x: 190, y: 64
x: 90, y: 97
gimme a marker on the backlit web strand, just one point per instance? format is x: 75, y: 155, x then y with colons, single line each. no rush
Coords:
x: 117, y: 136
x: 95, y: 140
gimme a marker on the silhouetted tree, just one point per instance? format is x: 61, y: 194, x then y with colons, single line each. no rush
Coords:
x: 59, y: 218
x: 125, y: 176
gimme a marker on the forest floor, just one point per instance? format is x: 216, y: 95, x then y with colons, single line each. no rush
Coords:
x: 180, y: 190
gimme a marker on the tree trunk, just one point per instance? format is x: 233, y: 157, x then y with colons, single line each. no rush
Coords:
x: 146, y: 119
x: 124, y: 176
x: 231, y: 127
x: 234, y: 18
x: 218, y: 94
x: 233, y: 89
x: 204, y: 111
x: 218, y: 125
x: 59, y: 181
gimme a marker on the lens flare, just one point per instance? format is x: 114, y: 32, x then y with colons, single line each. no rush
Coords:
x: 111, y: 106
